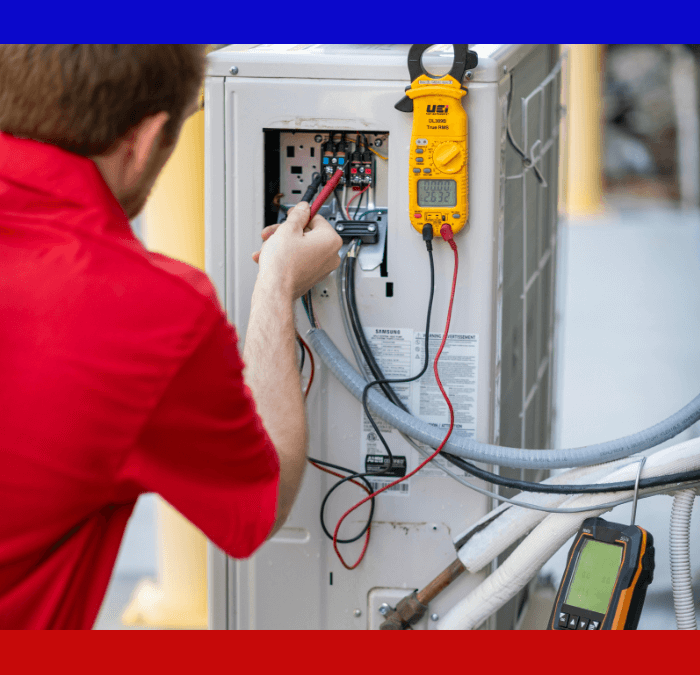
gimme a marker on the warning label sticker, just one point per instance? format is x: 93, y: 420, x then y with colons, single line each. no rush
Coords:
x: 400, y: 353
x: 458, y: 374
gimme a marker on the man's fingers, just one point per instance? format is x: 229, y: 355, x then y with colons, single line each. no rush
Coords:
x: 316, y: 221
x: 268, y: 231
x: 256, y: 257
x: 319, y: 227
x: 298, y: 217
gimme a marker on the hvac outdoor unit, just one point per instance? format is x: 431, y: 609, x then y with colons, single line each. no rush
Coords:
x: 269, y: 111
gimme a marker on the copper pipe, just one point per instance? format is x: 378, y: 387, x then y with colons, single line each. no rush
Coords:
x: 440, y: 582
x: 413, y: 606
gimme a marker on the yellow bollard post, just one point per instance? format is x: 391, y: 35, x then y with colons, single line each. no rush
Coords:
x: 584, y: 175
x: 174, y: 225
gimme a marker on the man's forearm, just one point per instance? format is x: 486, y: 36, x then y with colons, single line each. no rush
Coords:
x: 271, y: 372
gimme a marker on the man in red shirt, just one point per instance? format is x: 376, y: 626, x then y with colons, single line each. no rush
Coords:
x: 119, y: 372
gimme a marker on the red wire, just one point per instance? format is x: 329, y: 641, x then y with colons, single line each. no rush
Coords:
x: 311, y: 360
x: 355, y: 196
x: 340, y: 475
x: 447, y: 235
x: 323, y: 468
x: 354, y: 482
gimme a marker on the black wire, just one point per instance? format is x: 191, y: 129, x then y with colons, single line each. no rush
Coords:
x: 366, y: 142
x: 592, y: 488
x: 325, y: 499
x: 340, y: 205
x: 359, y: 201
x: 310, y: 310
x: 303, y: 355
x: 359, y: 332
x: 459, y: 462
x: 381, y: 381
x: 369, y: 385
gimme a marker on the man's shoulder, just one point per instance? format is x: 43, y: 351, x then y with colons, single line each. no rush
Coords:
x: 187, y: 278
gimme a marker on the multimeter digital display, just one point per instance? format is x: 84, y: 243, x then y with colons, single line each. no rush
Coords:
x: 437, y: 192
x: 606, y: 578
x: 437, y: 174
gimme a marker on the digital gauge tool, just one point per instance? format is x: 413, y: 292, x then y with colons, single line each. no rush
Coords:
x: 437, y: 174
x: 606, y: 578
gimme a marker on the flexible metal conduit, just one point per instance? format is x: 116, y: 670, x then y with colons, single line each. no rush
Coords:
x: 494, y: 454
x: 679, y: 545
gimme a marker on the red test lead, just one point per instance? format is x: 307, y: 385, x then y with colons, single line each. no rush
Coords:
x: 448, y: 235
x: 326, y: 192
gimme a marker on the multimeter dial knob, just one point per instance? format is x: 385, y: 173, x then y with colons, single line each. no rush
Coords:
x: 449, y: 157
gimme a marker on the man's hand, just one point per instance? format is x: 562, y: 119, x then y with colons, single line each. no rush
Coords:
x: 300, y: 254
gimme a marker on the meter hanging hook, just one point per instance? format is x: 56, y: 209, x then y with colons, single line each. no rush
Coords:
x: 464, y: 60
x: 636, y: 488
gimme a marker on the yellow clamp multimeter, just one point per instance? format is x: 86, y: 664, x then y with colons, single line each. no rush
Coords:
x: 437, y: 174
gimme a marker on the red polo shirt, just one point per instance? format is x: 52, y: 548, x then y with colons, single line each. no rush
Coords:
x: 119, y: 375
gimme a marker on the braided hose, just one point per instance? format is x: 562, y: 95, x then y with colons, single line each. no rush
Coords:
x: 679, y: 546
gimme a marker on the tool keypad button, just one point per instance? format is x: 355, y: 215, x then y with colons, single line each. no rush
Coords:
x: 573, y: 622
x: 582, y: 624
x: 593, y: 625
x: 563, y: 619
x: 419, y: 151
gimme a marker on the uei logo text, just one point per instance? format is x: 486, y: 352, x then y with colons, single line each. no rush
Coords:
x: 439, y: 109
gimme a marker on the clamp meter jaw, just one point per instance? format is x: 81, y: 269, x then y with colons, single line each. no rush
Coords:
x: 607, y: 573
x: 438, y: 176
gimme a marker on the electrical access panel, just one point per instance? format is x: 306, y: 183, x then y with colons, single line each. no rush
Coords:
x: 294, y: 158
x: 275, y: 116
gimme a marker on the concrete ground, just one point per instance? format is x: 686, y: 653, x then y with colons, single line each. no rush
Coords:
x: 628, y: 357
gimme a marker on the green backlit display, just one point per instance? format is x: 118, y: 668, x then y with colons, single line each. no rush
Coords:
x: 435, y: 192
x: 594, y: 578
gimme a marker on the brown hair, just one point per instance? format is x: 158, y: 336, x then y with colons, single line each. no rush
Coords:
x: 84, y: 98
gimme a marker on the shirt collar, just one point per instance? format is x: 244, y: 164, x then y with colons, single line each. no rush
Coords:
x: 40, y: 181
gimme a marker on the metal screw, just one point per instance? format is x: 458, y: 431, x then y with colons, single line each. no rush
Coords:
x: 470, y: 74
x: 318, y: 138
x: 377, y: 142
x: 339, y: 228
x: 434, y: 617
x: 358, y: 612
x: 384, y: 609
x: 371, y: 228
x: 233, y: 70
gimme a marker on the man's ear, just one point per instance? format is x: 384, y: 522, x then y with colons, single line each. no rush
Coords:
x: 143, y: 140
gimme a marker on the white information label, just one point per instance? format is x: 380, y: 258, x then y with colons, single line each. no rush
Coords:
x: 458, y: 374
x: 400, y: 353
